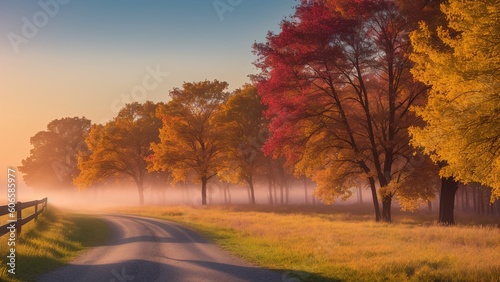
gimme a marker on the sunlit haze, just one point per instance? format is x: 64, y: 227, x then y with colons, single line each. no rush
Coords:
x: 249, y: 140
x: 86, y: 57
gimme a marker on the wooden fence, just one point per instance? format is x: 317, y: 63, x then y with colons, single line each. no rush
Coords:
x: 19, y: 221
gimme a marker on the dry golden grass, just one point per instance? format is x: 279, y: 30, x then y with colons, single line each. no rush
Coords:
x: 319, y: 246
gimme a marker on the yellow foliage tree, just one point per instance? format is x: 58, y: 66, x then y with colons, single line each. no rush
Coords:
x: 190, y: 143
x: 243, y: 133
x: 461, y: 64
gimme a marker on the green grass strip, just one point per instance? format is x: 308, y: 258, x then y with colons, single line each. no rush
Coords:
x: 53, y: 241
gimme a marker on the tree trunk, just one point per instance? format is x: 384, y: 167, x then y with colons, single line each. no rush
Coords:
x: 141, y: 196
x: 480, y: 207
x: 464, y: 198
x: 204, y: 190
x: 305, y: 191
x: 360, y: 195
x: 275, y: 192
x: 314, y: 197
x: 386, y: 208
x: 209, y: 194
x: 474, y: 202
x: 248, y: 195
x: 447, y: 201
x: 270, y: 188
x: 466, y: 189
x: 373, y: 188
x: 287, y: 193
x: 429, y: 205
x: 487, y: 197
x: 252, y: 192
x: 225, y: 195
x: 282, y: 194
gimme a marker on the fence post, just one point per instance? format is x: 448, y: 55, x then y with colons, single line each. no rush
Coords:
x: 36, y: 210
x: 19, y: 222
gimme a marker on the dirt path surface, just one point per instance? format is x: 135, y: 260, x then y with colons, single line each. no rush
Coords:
x: 144, y: 249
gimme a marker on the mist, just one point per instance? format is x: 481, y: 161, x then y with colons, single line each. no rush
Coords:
x: 97, y: 198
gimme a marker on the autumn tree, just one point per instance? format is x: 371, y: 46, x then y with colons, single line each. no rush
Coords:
x: 461, y: 63
x: 337, y: 85
x: 52, y: 163
x: 190, y: 140
x: 119, y: 147
x: 243, y: 132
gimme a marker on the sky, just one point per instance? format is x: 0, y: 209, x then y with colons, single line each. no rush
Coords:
x: 67, y: 58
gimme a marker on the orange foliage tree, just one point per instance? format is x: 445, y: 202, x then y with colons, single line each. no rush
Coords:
x: 119, y: 147
x: 52, y: 163
x: 190, y: 139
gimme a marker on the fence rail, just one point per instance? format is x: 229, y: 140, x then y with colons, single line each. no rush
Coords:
x: 19, y: 221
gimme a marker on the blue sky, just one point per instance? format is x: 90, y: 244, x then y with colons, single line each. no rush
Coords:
x: 90, y: 54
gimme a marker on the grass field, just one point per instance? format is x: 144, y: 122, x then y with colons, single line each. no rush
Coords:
x: 52, y: 241
x: 312, y: 245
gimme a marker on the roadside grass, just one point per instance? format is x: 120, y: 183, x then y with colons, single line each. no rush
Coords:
x: 345, y: 246
x: 54, y: 240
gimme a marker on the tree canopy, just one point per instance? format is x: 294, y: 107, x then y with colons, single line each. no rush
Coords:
x: 189, y: 142
x: 243, y: 132
x: 119, y: 147
x: 461, y: 64
x: 337, y: 85
x: 52, y: 163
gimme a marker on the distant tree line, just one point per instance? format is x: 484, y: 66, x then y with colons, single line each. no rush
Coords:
x: 398, y: 96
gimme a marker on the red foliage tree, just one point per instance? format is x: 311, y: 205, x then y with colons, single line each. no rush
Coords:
x: 338, y: 89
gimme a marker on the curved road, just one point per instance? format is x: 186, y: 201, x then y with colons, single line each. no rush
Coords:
x: 144, y: 249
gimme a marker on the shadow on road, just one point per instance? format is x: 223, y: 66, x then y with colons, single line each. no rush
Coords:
x: 143, y: 270
x: 142, y: 249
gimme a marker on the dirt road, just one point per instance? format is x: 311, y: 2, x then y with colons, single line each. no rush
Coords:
x: 144, y: 249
